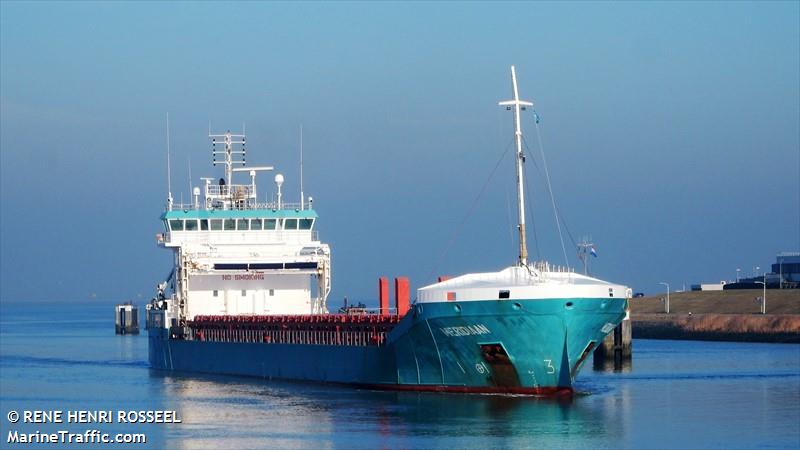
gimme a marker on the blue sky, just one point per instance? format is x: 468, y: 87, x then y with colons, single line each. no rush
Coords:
x: 671, y: 131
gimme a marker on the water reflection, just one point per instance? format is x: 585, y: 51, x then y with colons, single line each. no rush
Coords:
x: 610, y: 365
x: 127, y: 346
x: 235, y: 412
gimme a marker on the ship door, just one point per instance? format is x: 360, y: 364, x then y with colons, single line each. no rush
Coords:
x: 504, y: 374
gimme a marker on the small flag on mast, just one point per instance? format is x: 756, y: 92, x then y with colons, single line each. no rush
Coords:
x: 593, y: 251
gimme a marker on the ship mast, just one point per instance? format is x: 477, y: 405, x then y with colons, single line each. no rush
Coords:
x: 519, y: 105
x: 228, y: 152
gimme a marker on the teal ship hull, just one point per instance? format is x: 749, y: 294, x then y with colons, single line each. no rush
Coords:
x: 494, y: 346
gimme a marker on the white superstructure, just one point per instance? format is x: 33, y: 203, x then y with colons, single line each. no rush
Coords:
x: 520, y: 283
x: 235, y: 255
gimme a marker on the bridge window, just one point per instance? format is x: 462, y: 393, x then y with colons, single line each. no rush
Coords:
x: 216, y: 293
x: 191, y: 225
x: 216, y: 224
x: 305, y: 224
x: 229, y: 224
x: 269, y: 224
x: 176, y: 225
x: 203, y: 224
x: 244, y: 293
x: 290, y: 224
x: 255, y: 224
x: 242, y: 224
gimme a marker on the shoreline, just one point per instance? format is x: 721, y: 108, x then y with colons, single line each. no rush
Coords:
x: 770, y: 328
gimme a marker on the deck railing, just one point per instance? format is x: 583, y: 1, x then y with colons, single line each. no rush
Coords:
x: 246, y: 205
x: 228, y: 190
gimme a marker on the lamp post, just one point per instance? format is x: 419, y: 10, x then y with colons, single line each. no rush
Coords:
x: 764, y: 295
x: 666, y: 305
x: 737, y: 274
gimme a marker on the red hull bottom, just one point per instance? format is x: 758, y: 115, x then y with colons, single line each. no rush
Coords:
x: 538, y: 391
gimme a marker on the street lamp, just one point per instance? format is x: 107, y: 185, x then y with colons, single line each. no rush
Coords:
x: 666, y: 305
x: 764, y: 295
x: 737, y: 274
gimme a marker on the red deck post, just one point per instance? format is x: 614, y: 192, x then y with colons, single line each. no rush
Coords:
x: 383, y: 295
x: 401, y: 295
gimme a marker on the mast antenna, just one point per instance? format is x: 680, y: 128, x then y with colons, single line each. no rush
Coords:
x: 519, y: 105
x: 586, y: 248
x: 229, y: 151
x: 302, y: 201
x: 169, y: 181
x: 189, y: 162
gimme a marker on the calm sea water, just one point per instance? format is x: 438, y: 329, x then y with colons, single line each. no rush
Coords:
x: 676, y: 394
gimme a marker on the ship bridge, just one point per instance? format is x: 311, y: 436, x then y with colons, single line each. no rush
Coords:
x: 243, y: 226
x: 235, y: 255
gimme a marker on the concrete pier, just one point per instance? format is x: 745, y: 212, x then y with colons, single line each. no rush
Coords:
x: 126, y: 319
x: 616, y: 347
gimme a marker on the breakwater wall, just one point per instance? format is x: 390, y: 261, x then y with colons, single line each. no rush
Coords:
x: 784, y: 328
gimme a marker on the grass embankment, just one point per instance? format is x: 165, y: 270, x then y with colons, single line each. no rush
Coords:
x: 719, y: 315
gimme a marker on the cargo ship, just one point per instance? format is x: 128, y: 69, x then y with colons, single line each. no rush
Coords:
x: 248, y: 296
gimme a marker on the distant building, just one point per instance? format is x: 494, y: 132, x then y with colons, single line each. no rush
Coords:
x: 785, y: 275
x: 709, y: 286
x: 787, y: 267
